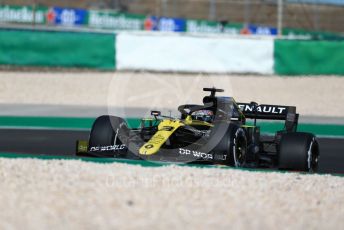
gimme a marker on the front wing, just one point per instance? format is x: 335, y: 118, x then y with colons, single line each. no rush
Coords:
x: 190, y: 154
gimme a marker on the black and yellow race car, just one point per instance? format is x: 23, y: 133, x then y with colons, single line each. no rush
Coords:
x: 215, y: 132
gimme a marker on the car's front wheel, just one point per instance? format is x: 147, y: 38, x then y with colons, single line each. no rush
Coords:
x: 232, y: 144
x: 107, y: 135
x: 238, y: 147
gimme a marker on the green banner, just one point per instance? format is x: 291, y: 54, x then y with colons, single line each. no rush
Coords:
x: 204, y: 26
x: 23, y: 14
x: 306, y: 34
x: 296, y: 57
x: 57, y: 49
x: 116, y: 21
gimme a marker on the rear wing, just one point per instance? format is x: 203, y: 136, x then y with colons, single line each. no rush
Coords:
x: 271, y: 112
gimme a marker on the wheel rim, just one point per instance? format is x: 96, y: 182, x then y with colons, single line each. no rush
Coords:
x: 315, y: 161
x: 240, y: 152
x: 313, y: 156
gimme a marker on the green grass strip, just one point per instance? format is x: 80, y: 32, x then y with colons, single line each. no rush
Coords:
x: 86, y: 123
x: 47, y: 122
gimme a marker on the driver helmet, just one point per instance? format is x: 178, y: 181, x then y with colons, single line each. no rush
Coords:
x: 203, y: 115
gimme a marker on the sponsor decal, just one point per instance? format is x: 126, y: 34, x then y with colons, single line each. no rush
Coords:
x: 203, y: 26
x: 196, y: 154
x: 22, y: 14
x: 194, y: 26
x: 51, y: 16
x: 66, y: 16
x: 269, y: 109
x: 108, y: 148
x: 167, y: 128
x: 149, y: 146
x: 245, y: 31
x: 262, y: 30
x: 165, y: 24
x: 117, y: 21
x: 149, y: 23
x: 220, y: 157
x: 157, y: 139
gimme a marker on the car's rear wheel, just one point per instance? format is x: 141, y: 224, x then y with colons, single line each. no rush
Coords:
x: 298, y: 151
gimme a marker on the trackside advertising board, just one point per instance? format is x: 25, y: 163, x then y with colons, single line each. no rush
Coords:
x: 204, y: 26
x: 262, y: 30
x: 115, y: 21
x: 171, y: 52
x: 165, y: 24
x: 66, y: 16
x: 112, y: 20
x: 22, y: 14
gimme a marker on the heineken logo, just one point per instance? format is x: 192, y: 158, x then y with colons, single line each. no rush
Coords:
x: 115, y: 21
x: 21, y: 14
x: 195, y: 26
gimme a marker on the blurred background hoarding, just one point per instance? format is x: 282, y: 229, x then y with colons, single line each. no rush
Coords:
x: 28, y: 35
x: 319, y: 19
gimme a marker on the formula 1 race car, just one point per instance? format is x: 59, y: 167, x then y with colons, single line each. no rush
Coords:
x: 215, y: 132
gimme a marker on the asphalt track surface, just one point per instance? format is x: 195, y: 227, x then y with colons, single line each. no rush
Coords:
x: 62, y: 143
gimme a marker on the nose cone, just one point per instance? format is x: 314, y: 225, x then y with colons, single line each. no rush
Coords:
x: 149, y: 149
x: 165, y: 130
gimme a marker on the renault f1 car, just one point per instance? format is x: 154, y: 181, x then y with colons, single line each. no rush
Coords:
x: 215, y: 132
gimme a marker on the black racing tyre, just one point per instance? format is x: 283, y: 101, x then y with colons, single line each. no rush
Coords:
x: 298, y: 151
x: 234, y: 145
x: 105, y: 130
x: 238, y: 147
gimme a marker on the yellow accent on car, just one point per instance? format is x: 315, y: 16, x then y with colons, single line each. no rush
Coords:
x: 188, y: 121
x: 165, y: 129
x: 82, y: 146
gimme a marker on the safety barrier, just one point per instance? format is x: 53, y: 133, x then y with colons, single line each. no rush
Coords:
x: 180, y: 53
x: 57, y: 49
x: 295, y: 57
x: 171, y: 52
